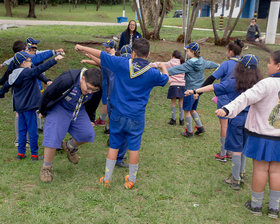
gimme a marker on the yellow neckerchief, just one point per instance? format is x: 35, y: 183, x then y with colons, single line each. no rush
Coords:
x: 234, y: 58
x: 138, y: 73
x: 80, y: 101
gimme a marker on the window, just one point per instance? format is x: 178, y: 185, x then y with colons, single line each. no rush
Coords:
x: 216, y: 8
x: 237, y: 3
x: 227, y: 4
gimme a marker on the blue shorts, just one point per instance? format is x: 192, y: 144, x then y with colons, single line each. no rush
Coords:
x: 222, y: 101
x: 60, y: 121
x: 236, y: 136
x: 189, y: 103
x: 123, y: 128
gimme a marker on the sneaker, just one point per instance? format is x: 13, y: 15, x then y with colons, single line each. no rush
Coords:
x: 19, y: 157
x: 199, y: 130
x: 273, y: 213
x: 16, y: 143
x: 242, y: 178
x: 122, y: 165
x: 128, y: 184
x: 255, y: 211
x: 187, y: 134
x: 220, y: 158
x: 100, y: 122
x: 37, y: 158
x: 46, y: 174
x: 172, y: 122
x: 235, y: 184
x: 72, y: 156
x: 182, y: 122
x: 229, y: 156
x: 105, y: 183
x: 107, y: 130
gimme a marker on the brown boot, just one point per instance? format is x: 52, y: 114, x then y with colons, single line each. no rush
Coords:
x: 72, y: 156
x: 235, y: 184
x: 46, y: 174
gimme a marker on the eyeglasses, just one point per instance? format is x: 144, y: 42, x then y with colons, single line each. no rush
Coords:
x: 91, y: 90
x: 132, y: 24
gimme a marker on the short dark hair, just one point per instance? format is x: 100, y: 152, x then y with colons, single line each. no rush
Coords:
x: 141, y: 47
x: 196, y: 54
x: 178, y: 55
x: 275, y: 56
x: 246, y: 77
x: 18, y: 46
x: 235, y: 47
x: 93, y: 76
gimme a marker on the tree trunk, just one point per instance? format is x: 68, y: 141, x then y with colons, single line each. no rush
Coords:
x: 216, y: 36
x: 184, y: 19
x: 236, y: 20
x: 8, y: 8
x: 229, y: 18
x: 98, y: 5
x: 196, y: 8
x: 157, y: 31
x: 31, y: 13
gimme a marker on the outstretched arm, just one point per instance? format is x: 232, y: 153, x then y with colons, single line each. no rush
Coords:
x: 92, y: 51
x: 209, y: 88
x: 89, y: 62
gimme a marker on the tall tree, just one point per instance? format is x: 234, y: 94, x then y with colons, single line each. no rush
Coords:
x: 158, y: 10
x: 31, y: 12
x: 8, y: 8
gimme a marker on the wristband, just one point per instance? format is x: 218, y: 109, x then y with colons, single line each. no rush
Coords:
x: 226, y: 110
x: 194, y: 91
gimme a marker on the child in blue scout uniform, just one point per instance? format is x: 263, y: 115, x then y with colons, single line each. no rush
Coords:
x: 26, y: 97
x: 245, y: 75
x: 194, y: 75
x: 224, y: 72
x: 134, y: 80
x: 62, y: 105
x: 109, y: 75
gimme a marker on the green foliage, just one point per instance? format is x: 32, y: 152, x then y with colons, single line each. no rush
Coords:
x: 175, y: 174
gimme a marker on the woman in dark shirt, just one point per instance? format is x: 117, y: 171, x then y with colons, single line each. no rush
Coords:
x: 129, y: 35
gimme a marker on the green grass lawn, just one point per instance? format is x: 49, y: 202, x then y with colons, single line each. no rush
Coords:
x: 109, y: 13
x: 178, y: 180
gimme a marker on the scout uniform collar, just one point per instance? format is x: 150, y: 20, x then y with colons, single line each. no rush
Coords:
x: 234, y: 58
x: 82, y: 72
x: 136, y: 69
x: 276, y: 75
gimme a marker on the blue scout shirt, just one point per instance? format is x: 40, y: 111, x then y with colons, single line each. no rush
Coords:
x: 134, y: 80
x: 224, y: 72
x: 75, y: 99
x: 228, y: 87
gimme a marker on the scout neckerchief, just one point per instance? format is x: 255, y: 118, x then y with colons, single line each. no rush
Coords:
x: 139, y: 72
x: 80, y: 101
x: 234, y: 58
x: 276, y: 75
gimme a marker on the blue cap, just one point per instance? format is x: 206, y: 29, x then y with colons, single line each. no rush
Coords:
x: 30, y: 40
x: 20, y: 57
x: 126, y: 49
x: 193, y: 46
x: 110, y: 43
x: 249, y: 61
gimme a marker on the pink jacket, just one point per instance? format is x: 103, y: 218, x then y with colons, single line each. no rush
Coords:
x: 175, y: 80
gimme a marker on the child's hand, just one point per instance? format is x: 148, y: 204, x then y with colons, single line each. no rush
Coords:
x: 49, y: 82
x: 78, y: 47
x: 59, y: 57
x: 83, y: 61
x: 161, y: 65
x: 220, y: 113
x: 188, y: 92
x: 195, y: 96
x: 60, y: 51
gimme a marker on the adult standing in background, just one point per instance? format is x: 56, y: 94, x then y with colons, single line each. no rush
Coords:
x: 253, y: 32
x: 129, y: 35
